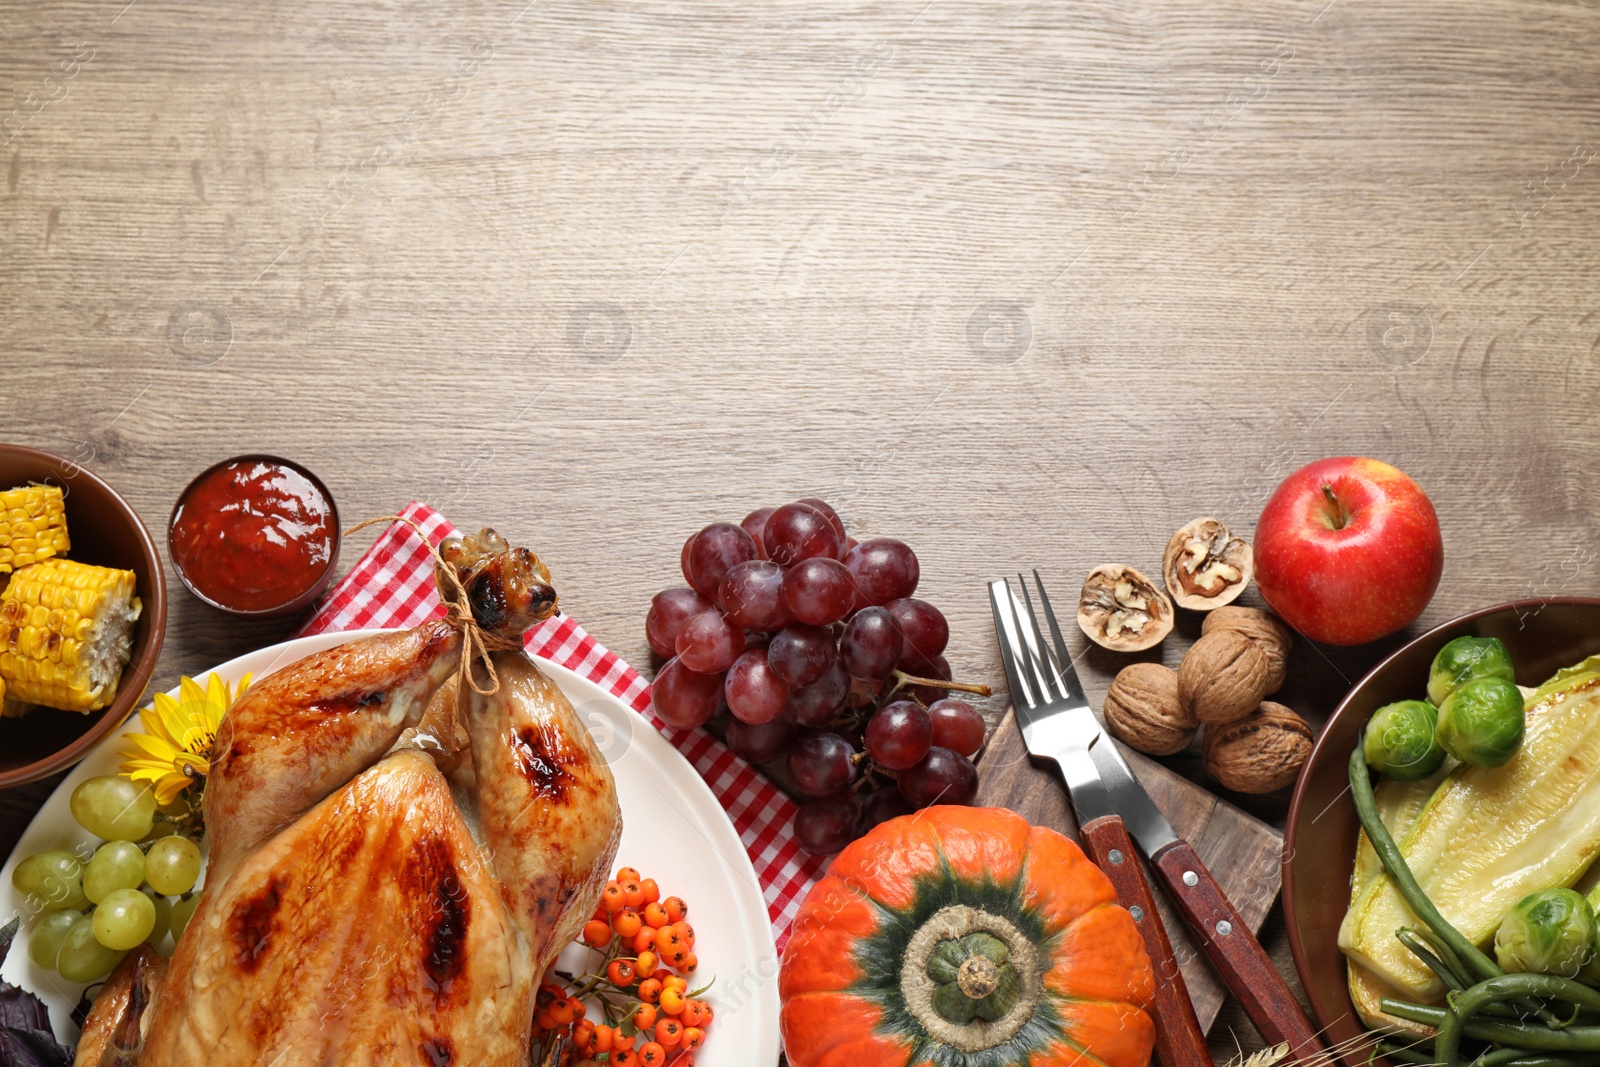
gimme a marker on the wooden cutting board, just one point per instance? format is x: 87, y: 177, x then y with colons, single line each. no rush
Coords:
x: 1241, y: 851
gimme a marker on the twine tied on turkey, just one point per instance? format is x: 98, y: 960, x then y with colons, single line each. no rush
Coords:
x: 455, y: 582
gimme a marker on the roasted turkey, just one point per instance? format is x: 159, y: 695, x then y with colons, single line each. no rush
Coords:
x: 388, y: 878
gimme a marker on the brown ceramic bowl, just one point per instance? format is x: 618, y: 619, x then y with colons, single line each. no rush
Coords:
x: 104, y: 531
x: 300, y: 601
x: 1319, y: 845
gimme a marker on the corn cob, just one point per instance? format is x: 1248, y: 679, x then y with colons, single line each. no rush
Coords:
x: 66, y: 630
x: 33, y: 525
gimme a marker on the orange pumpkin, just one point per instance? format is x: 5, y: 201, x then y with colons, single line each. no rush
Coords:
x: 964, y: 937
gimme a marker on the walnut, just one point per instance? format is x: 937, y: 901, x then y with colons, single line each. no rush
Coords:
x: 1262, y: 627
x: 1143, y: 709
x: 1223, y: 677
x: 1205, y: 566
x: 1260, y: 753
x: 1122, y: 610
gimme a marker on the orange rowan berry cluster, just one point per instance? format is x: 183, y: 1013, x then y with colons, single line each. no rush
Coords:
x: 649, y: 1017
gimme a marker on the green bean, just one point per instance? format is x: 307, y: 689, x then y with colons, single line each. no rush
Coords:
x: 1501, y: 1057
x: 1521, y: 1057
x: 1468, y: 1002
x: 1574, y: 1039
x: 1406, y: 882
x: 1437, y: 955
x: 1522, y: 1035
x: 1426, y: 1014
x: 1577, y: 1013
x: 1442, y: 950
x: 1406, y: 1054
x: 1448, y: 976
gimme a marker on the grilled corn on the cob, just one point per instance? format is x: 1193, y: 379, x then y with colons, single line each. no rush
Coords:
x: 33, y: 525
x: 66, y: 630
x: 11, y: 709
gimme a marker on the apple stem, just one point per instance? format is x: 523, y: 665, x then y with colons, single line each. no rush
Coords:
x: 1339, y: 517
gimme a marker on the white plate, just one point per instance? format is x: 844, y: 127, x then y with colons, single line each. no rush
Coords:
x: 673, y: 830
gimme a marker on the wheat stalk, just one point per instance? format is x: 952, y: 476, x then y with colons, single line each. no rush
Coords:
x: 1266, y: 1057
x: 1329, y: 1057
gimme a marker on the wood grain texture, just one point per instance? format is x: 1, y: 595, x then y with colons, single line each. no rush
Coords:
x: 1027, y: 284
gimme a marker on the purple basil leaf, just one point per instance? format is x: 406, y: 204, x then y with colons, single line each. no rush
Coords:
x: 26, y: 1039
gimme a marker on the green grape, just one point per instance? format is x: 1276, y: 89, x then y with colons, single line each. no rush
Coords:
x: 44, y: 940
x: 83, y: 958
x: 173, y: 865
x: 116, y: 865
x: 124, y: 919
x: 163, y: 915
x: 54, y: 877
x: 114, y: 808
x: 182, y: 912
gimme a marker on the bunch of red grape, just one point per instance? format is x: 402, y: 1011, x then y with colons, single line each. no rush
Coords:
x: 816, y: 647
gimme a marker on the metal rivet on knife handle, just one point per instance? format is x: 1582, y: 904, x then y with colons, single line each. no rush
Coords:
x: 1233, y: 950
x: 1115, y: 856
x: 1137, y: 912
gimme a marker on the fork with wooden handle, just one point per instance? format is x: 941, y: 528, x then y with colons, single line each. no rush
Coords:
x: 1057, y: 724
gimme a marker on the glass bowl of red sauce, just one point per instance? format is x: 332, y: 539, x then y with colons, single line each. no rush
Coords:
x: 255, y: 535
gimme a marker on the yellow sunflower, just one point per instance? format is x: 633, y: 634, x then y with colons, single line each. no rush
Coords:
x: 177, y: 751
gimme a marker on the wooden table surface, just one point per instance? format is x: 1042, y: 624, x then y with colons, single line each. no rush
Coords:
x: 1026, y: 284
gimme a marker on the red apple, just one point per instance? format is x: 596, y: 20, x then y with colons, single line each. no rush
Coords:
x: 1348, y: 550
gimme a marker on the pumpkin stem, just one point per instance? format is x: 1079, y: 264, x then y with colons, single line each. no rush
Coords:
x: 971, y: 979
x: 978, y: 977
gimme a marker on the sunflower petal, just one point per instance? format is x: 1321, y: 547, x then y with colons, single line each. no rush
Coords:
x: 157, y: 747
x: 134, y: 760
x: 158, y: 717
x: 140, y: 761
x: 169, y: 788
x: 189, y: 691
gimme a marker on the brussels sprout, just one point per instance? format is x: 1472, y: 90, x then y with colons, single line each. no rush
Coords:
x: 1481, y: 723
x: 1548, y: 932
x: 1464, y: 660
x: 1591, y: 970
x: 1400, y: 740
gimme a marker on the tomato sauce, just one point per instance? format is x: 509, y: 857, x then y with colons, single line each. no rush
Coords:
x: 253, y: 534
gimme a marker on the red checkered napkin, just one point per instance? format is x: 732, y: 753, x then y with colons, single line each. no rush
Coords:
x: 392, y: 585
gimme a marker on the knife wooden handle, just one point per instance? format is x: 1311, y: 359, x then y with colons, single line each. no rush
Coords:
x: 1180, y: 1042
x: 1245, y: 967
